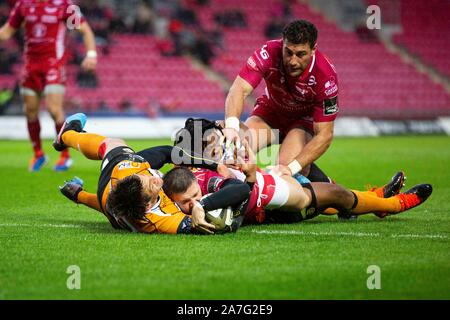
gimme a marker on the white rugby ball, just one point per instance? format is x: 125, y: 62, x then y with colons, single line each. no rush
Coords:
x: 221, y: 218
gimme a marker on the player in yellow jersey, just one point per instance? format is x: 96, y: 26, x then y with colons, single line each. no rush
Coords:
x: 129, y: 191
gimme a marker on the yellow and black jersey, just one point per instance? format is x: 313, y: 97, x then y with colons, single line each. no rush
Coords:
x: 164, y: 217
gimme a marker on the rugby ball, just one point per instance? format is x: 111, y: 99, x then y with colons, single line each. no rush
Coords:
x: 221, y: 218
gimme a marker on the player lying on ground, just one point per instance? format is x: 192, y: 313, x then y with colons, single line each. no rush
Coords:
x: 285, y: 193
x: 273, y: 192
x: 130, y: 191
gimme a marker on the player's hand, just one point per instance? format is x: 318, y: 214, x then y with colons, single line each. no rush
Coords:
x: 89, y: 64
x: 245, y: 161
x: 198, y: 221
x: 225, y: 172
x: 280, y: 170
x: 231, y: 138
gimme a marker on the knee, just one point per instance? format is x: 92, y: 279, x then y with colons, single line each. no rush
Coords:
x: 114, y: 142
x: 342, y: 193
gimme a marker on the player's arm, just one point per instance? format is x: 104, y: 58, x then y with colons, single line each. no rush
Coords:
x: 6, y: 32
x: 177, y: 223
x: 311, y: 151
x: 234, y: 103
x: 232, y: 192
x: 159, y: 156
x: 315, y: 148
x: 90, y: 61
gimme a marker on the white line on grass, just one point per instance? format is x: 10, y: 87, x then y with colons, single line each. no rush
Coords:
x: 285, y: 232
x: 41, y: 225
x: 351, y: 234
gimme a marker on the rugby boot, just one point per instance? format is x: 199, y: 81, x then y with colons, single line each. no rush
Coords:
x: 72, y: 188
x: 75, y: 122
x: 414, y: 196
x: 390, y: 189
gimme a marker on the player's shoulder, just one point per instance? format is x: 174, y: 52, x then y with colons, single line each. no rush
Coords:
x: 267, y: 55
x: 276, y: 44
x: 323, y: 66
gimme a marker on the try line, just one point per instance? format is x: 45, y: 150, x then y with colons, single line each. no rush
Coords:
x: 281, y: 232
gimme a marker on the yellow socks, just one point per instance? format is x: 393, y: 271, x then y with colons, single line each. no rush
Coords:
x: 369, y: 203
x: 87, y: 143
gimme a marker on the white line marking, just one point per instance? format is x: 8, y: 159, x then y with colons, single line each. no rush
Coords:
x: 351, y: 234
x: 41, y: 225
x: 285, y: 232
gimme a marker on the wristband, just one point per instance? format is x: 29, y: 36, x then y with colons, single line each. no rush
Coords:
x: 233, y: 123
x: 91, y: 54
x: 295, y: 167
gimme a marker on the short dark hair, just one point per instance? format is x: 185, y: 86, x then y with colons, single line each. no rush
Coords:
x: 128, y: 199
x: 300, y: 32
x: 185, y: 137
x: 178, y: 180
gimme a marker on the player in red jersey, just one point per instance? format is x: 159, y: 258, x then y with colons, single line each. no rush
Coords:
x: 45, y: 23
x: 300, y: 100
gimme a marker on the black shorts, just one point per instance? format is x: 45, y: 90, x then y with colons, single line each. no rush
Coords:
x: 111, y: 159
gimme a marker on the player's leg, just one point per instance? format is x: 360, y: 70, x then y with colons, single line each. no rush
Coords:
x: 333, y: 195
x: 92, y: 146
x: 390, y: 189
x: 32, y: 100
x: 259, y: 133
x: 54, y: 99
x: 287, y: 193
x: 260, y: 123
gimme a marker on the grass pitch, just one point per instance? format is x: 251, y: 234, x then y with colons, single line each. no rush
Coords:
x: 42, y: 234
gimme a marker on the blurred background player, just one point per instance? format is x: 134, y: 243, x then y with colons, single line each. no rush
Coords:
x: 45, y: 23
x: 300, y: 100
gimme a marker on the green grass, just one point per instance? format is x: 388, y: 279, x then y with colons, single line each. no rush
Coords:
x: 42, y: 233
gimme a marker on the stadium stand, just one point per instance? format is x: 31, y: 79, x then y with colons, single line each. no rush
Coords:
x: 141, y: 74
x: 425, y: 32
x: 373, y: 81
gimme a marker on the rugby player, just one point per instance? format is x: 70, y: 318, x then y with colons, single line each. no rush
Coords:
x: 300, y: 100
x: 45, y: 23
x: 280, y: 195
x: 273, y: 192
x: 129, y: 191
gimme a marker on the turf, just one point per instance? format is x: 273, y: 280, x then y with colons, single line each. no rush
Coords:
x: 42, y: 233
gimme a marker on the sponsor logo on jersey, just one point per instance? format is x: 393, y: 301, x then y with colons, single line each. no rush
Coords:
x: 39, y: 30
x: 31, y: 18
x: 125, y: 165
x: 50, y: 10
x: 312, y: 81
x: 213, y: 184
x: 49, y: 19
x: 330, y: 106
x: 52, y: 75
x: 330, y: 87
x: 251, y: 63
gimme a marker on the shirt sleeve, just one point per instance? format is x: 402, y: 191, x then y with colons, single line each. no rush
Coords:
x: 327, y: 107
x: 15, y: 17
x: 256, y: 66
x: 170, y: 224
